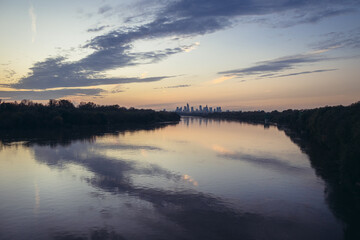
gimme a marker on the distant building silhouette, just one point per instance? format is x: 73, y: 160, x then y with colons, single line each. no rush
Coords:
x: 190, y: 109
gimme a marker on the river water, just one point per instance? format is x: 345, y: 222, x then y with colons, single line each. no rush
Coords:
x: 199, y: 179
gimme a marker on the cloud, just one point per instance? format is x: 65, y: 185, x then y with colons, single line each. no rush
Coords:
x: 304, y: 72
x: 181, y: 18
x: 303, y: 15
x: 47, y: 94
x: 56, y: 72
x: 97, y: 29
x: 230, y: 8
x: 179, y: 86
x: 9, y: 73
x: 222, y: 79
x: 117, y: 89
x: 300, y: 11
x: 349, y: 39
x: 6, y: 64
x: 198, y: 17
x: 273, y: 66
x: 33, y: 22
x: 144, y: 74
x: 191, y: 47
x: 316, y: 16
x: 54, y: 78
x: 104, y: 9
x: 176, y: 86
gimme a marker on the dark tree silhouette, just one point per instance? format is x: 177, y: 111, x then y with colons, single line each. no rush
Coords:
x: 63, y: 113
x: 331, y: 137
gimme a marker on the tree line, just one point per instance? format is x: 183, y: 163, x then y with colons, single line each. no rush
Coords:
x: 331, y: 137
x: 336, y: 129
x: 62, y: 113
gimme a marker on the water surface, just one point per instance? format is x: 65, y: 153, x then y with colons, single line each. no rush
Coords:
x: 199, y: 179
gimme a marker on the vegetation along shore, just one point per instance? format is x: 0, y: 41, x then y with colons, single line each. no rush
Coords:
x: 63, y: 113
x: 331, y: 138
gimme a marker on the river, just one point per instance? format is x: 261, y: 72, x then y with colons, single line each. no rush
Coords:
x: 199, y: 179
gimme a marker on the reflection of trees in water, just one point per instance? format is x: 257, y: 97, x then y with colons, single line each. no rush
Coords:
x: 343, y: 201
x: 64, y: 137
x: 196, y: 215
x: 333, y: 144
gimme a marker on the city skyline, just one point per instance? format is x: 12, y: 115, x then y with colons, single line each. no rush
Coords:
x: 249, y: 55
x: 191, y: 109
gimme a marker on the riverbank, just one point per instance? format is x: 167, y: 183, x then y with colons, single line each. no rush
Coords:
x: 331, y: 138
x: 63, y: 114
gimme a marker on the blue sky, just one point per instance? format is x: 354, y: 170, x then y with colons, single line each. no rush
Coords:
x: 161, y: 54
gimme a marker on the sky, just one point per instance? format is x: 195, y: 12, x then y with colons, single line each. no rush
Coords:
x: 159, y: 54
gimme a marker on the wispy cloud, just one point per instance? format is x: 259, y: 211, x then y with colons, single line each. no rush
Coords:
x: 176, y: 86
x: 198, y: 17
x: 98, y: 29
x: 182, y: 18
x: 144, y: 74
x: 304, y: 72
x: 191, y: 47
x: 104, y: 9
x: 9, y: 73
x: 306, y: 14
x: 332, y: 40
x: 33, y: 22
x: 6, y: 64
x: 57, y: 72
x: 222, y: 79
x: 179, y: 86
x: 274, y: 66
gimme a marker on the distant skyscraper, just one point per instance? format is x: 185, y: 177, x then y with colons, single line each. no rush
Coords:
x: 190, y: 109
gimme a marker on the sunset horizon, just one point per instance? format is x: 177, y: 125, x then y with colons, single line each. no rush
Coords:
x: 241, y: 55
x: 180, y: 119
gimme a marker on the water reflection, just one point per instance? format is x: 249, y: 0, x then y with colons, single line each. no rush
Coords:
x: 343, y: 203
x: 263, y: 161
x: 200, y: 179
x: 96, y: 234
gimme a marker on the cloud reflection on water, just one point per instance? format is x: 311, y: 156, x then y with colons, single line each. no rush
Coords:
x: 188, y: 212
x: 199, y: 215
x: 269, y: 162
